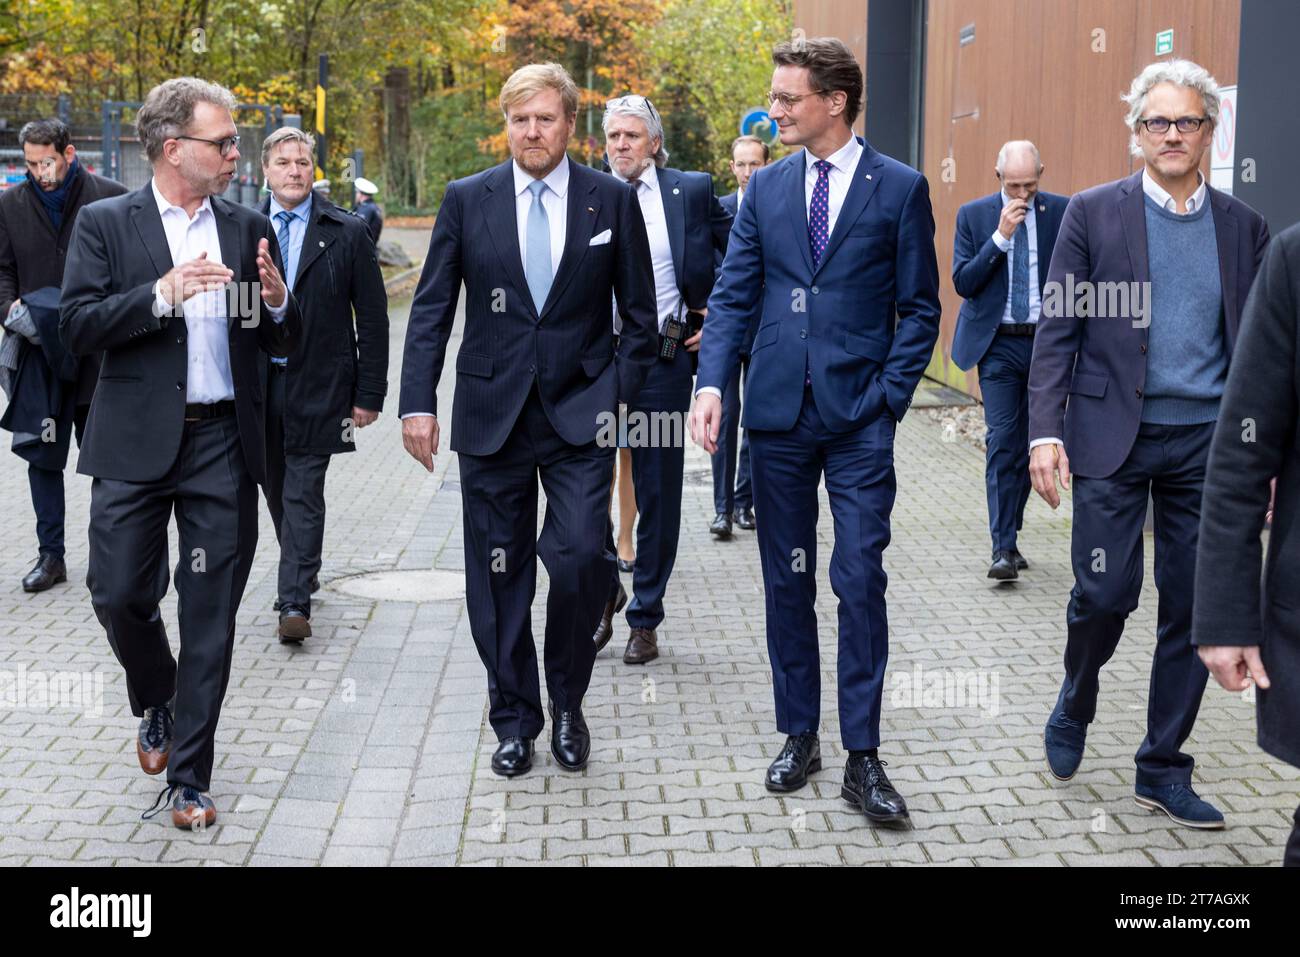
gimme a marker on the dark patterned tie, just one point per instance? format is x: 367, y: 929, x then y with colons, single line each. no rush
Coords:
x: 819, y: 213
x: 1020, y: 275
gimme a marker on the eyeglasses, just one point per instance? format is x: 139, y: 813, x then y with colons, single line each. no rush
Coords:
x: 1185, y: 124
x: 787, y: 100
x: 225, y: 146
x: 635, y: 101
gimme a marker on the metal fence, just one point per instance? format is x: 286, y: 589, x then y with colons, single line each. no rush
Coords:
x: 104, y: 135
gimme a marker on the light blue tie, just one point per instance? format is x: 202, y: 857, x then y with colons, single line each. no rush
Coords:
x: 284, y: 217
x: 537, y: 255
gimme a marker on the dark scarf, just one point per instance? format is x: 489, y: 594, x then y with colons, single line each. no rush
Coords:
x: 57, y: 198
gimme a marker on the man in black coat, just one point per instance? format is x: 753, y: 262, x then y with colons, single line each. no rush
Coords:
x: 336, y: 380
x: 1246, y: 634
x: 36, y: 220
x: 541, y: 244
x: 181, y: 291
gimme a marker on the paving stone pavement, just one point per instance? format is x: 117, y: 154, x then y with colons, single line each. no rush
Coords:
x: 369, y: 744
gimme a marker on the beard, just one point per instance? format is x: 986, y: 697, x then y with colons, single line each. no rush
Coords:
x: 201, y: 180
x: 534, y: 159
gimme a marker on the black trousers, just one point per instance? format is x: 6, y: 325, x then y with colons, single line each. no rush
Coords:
x: 731, y: 486
x: 215, y: 503
x: 1004, y: 383
x: 1168, y: 463
x: 47, y: 502
x: 499, y: 498
x: 295, y: 497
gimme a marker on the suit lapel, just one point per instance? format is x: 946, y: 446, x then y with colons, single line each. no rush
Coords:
x: 316, y: 240
x: 861, y: 188
x: 502, y: 227
x: 231, y: 252
x: 1133, y: 217
x: 1225, y: 234
x: 1043, y: 228
x: 674, y: 201
x: 583, y: 210
x: 797, y: 206
x: 144, y: 213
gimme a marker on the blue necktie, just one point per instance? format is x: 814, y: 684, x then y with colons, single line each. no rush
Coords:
x: 819, y: 213
x: 537, y: 255
x: 1020, y: 275
x: 284, y: 217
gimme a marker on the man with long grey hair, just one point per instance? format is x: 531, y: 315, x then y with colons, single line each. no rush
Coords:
x: 168, y: 282
x: 687, y: 229
x: 1159, y: 264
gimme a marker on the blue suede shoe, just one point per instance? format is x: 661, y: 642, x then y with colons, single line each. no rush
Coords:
x: 1182, y: 805
x: 1063, y: 740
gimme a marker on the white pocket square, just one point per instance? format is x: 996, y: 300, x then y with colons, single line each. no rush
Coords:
x: 600, y: 239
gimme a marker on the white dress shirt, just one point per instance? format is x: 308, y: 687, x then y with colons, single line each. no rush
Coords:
x: 668, y: 298
x: 844, y: 163
x: 1008, y: 246
x: 553, y: 201
x: 208, y: 378
x: 1161, y: 197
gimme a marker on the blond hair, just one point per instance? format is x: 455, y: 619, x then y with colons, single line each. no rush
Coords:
x: 528, y: 81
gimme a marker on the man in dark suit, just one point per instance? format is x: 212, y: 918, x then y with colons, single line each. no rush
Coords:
x: 733, y: 498
x: 36, y: 220
x: 1241, y: 630
x: 169, y: 283
x: 1140, y: 318
x: 336, y: 380
x: 687, y: 229
x: 1001, y: 251
x: 541, y: 244
x: 834, y: 251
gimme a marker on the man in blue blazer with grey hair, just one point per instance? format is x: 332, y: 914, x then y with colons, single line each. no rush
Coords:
x: 834, y: 251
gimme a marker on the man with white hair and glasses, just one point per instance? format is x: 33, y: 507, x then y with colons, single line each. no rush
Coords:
x: 687, y: 229
x: 1126, y: 401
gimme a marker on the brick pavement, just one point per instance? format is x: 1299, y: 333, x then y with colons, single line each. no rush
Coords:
x: 369, y: 744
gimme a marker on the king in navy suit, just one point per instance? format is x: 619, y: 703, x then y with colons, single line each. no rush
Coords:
x: 1000, y: 255
x: 834, y: 252
x: 541, y: 245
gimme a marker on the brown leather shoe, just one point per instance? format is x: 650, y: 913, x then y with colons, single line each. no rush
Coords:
x: 192, y: 811
x: 605, y: 630
x: 153, y: 743
x: 642, y: 646
x: 294, y: 625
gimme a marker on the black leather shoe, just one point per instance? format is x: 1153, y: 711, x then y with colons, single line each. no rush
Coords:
x: 605, y: 630
x: 642, y: 647
x: 48, y: 571
x: 294, y: 625
x: 570, y: 739
x: 721, y: 526
x: 626, y: 568
x: 1003, y: 567
x: 1019, y: 559
x: 513, y: 757
x: 867, y: 787
x: 744, y: 518
x: 801, y: 756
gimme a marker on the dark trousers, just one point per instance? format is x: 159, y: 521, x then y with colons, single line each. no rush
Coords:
x: 215, y: 501
x: 1004, y: 383
x: 658, y: 458
x: 47, y: 502
x: 499, y: 498
x: 731, y: 488
x: 295, y: 497
x: 859, y: 470
x: 1168, y: 463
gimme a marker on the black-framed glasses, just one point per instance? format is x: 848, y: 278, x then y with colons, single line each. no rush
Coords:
x: 224, y: 146
x: 1185, y: 124
x: 788, y: 100
x: 633, y: 100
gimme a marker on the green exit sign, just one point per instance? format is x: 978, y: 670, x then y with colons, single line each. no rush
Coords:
x: 1164, y: 42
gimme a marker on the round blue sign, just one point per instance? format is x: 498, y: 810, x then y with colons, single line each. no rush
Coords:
x: 756, y: 122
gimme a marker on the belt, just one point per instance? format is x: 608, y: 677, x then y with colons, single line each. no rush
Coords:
x: 1017, y: 328
x: 198, y: 411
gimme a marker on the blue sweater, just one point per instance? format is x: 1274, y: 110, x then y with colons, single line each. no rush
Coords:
x: 1187, y: 353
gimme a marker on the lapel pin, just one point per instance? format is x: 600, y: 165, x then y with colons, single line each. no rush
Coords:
x: 322, y: 243
x: 590, y: 210
x: 676, y: 190
x: 1042, y: 209
x: 868, y: 176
